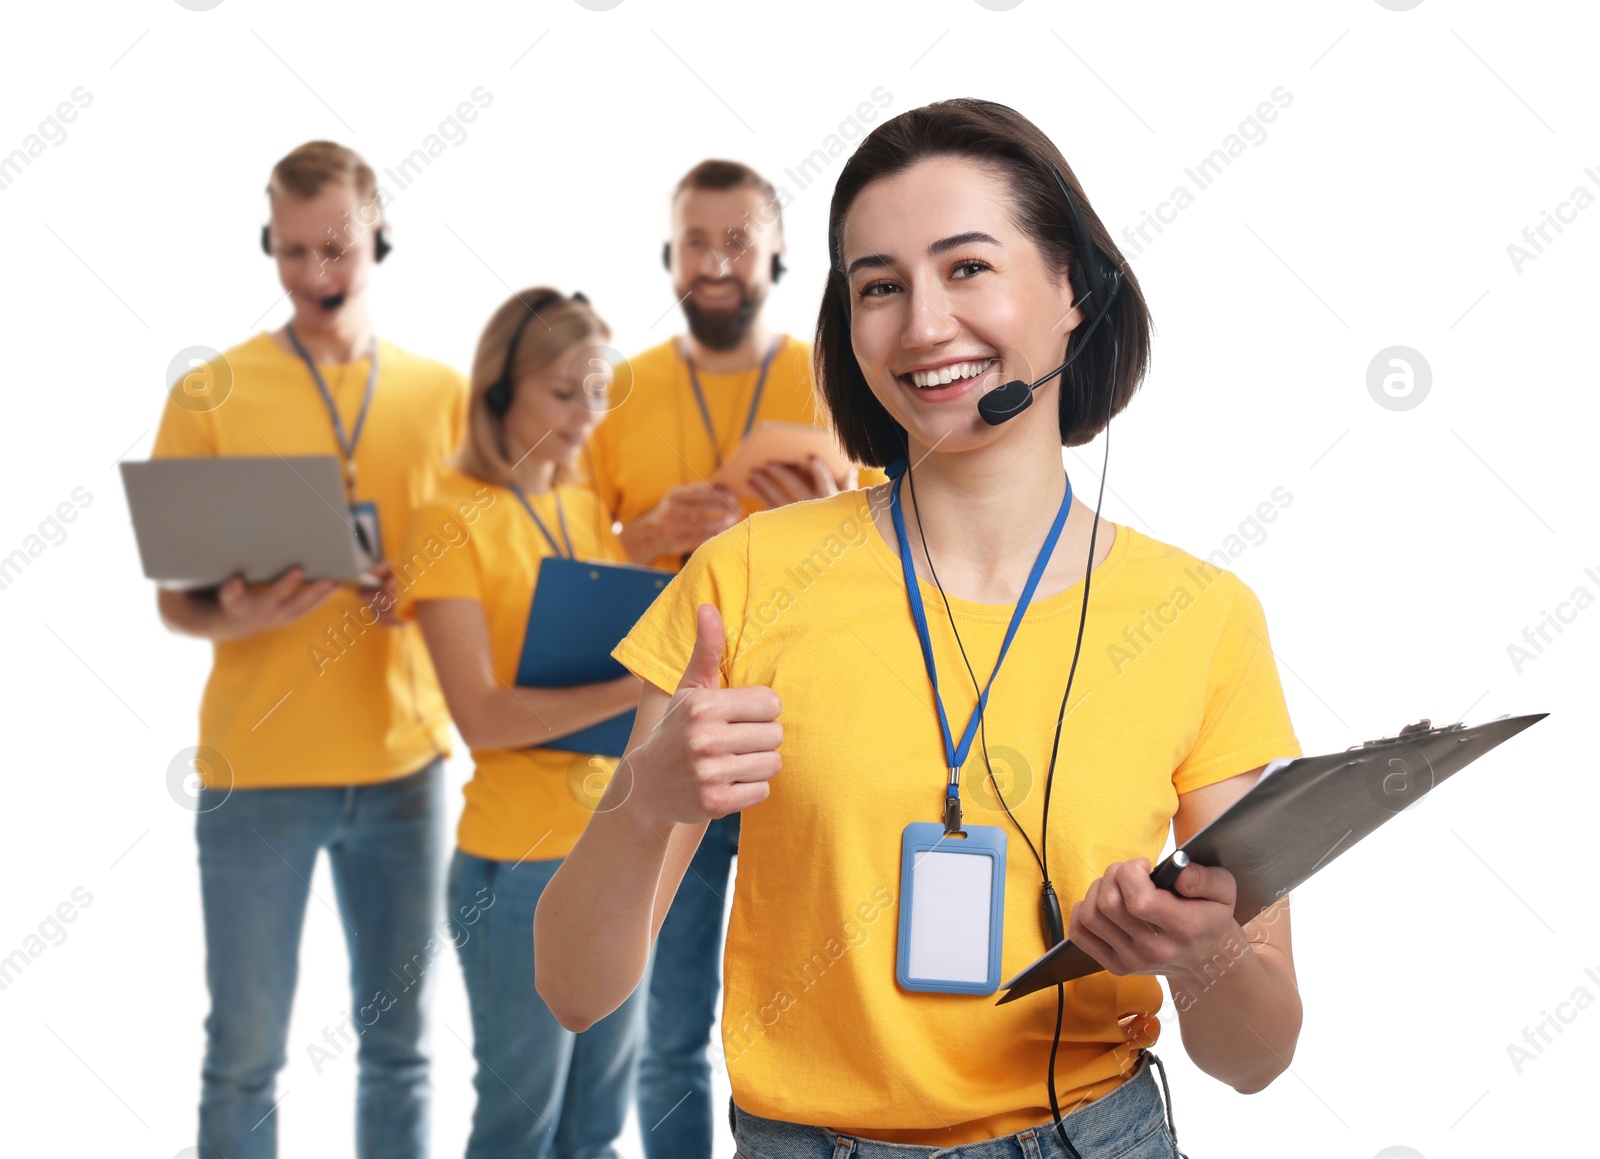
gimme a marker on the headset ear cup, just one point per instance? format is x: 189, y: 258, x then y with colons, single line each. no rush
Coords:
x: 777, y: 268
x: 380, y: 245
x: 666, y: 255
x: 497, y: 399
x: 266, y: 240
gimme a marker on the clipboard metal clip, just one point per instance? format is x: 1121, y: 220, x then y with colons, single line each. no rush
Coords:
x: 1423, y: 725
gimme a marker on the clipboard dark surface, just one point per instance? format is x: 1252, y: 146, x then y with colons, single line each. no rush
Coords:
x: 580, y: 611
x: 1299, y: 816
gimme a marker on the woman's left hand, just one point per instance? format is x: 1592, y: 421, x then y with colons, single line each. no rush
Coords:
x: 1130, y: 926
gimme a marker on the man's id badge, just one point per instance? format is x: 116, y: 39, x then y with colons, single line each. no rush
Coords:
x: 952, y: 909
x: 364, y: 522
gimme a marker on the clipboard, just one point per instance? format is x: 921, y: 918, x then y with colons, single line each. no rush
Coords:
x: 1301, y: 814
x: 775, y: 442
x: 580, y: 611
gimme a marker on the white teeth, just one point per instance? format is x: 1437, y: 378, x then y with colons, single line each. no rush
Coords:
x: 948, y: 374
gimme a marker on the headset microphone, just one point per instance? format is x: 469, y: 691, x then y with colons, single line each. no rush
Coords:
x: 1100, y: 282
x: 1010, y: 399
x: 380, y: 250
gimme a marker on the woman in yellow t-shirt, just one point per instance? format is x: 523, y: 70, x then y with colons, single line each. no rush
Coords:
x: 819, y: 667
x: 468, y: 578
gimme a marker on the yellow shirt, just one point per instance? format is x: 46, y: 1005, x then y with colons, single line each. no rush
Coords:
x: 1176, y: 688
x: 655, y: 439
x: 524, y: 803
x: 334, y: 698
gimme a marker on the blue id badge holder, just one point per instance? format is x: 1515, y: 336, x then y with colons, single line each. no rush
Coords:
x: 369, y: 537
x: 952, y: 909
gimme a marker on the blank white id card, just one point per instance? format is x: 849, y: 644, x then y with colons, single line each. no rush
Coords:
x: 952, y: 909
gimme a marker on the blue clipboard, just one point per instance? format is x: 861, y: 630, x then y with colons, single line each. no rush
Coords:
x: 581, y: 611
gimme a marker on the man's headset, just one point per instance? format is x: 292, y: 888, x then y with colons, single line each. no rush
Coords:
x: 497, y: 399
x: 380, y: 250
x: 1094, y: 278
x: 777, y: 262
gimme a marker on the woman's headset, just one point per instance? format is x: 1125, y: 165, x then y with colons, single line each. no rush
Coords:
x: 1095, y: 278
x: 497, y: 399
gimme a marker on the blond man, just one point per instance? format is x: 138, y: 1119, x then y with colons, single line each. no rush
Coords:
x: 322, y: 725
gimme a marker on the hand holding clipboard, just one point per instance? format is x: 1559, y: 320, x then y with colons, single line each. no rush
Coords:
x: 1300, y: 815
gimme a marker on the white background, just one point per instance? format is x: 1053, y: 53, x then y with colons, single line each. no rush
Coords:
x: 1418, y: 545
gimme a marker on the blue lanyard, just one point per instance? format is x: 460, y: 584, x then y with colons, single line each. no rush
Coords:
x: 700, y: 398
x: 347, y: 446
x: 561, y: 516
x: 956, y: 756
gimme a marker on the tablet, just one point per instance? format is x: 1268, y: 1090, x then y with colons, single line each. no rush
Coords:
x: 773, y: 442
x: 201, y: 521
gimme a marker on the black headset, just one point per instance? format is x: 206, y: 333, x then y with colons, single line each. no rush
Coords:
x: 380, y: 243
x: 777, y: 262
x: 1094, y: 278
x: 498, y: 397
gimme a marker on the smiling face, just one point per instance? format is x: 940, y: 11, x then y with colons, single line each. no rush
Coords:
x: 323, y: 247
x: 552, y: 411
x: 949, y: 299
x: 721, y: 260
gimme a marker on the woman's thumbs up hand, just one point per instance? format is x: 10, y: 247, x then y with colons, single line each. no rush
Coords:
x: 715, y: 748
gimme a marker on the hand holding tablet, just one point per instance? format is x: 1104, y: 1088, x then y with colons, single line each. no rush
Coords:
x: 786, y: 451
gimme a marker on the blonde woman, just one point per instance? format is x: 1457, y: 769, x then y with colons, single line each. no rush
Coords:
x: 474, y: 556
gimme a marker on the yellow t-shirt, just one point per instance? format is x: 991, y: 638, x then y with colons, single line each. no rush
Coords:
x: 655, y: 439
x: 525, y: 803
x: 1176, y: 688
x: 334, y: 698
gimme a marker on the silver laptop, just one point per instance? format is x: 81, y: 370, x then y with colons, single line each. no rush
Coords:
x: 200, y: 521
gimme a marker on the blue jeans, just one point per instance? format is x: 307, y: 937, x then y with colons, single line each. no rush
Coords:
x: 542, y: 1090
x: 1125, y: 1124
x: 685, y: 974
x: 258, y: 848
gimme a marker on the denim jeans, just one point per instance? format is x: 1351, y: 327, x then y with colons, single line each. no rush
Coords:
x: 258, y: 848
x: 543, y: 1092
x: 1125, y: 1124
x: 675, y: 1075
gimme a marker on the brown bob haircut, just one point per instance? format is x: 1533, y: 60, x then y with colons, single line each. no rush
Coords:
x: 558, y: 329
x: 1002, y: 138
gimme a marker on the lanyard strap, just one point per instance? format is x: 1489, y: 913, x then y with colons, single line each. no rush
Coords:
x: 561, y: 517
x: 347, y: 446
x: 956, y: 755
x: 755, y: 402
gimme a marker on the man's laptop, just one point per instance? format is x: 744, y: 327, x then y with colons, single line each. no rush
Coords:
x: 201, y: 521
